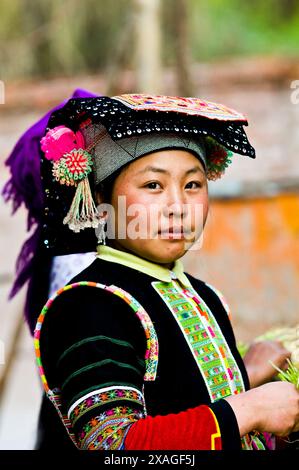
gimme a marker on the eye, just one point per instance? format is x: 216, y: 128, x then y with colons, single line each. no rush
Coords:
x: 196, y: 184
x: 152, y: 185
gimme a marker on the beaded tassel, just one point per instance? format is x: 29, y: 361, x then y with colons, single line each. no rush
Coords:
x: 83, y: 212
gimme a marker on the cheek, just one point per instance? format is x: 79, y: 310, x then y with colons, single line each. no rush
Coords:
x: 202, y: 200
x: 201, y: 207
x: 205, y: 204
x: 130, y: 204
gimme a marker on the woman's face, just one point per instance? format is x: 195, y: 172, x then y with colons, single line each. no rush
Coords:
x: 160, y: 204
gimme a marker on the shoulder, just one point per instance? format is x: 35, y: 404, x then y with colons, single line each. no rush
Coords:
x: 210, y: 292
x: 90, y: 273
x: 79, y: 295
x: 221, y: 297
x: 81, y: 309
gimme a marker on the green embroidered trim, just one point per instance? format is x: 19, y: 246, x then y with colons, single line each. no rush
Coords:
x: 98, y: 364
x: 204, y: 338
x: 96, y: 338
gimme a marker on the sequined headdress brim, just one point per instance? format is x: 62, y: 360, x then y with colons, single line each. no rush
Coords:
x: 129, y: 115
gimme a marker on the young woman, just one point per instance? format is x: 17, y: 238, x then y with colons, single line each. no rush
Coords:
x: 135, y: 353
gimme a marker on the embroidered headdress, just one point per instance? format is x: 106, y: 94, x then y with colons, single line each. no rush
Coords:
x: 89, y: 139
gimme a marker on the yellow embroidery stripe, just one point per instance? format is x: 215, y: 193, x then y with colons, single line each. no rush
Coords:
x: 216, y: 434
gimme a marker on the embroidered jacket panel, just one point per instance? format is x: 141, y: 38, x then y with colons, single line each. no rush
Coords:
x: 93, y: 349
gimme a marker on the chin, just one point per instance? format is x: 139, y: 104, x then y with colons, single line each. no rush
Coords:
x: 168, y: 254
x: 163, y: 252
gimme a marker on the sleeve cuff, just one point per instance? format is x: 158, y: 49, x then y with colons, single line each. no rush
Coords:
x: 228, y: 424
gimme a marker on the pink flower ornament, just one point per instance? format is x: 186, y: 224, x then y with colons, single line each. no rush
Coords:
x: 66, y: 149
x: 72, y: 164
x: 60, y: 141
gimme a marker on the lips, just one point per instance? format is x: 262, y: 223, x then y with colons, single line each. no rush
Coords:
x: 175, y: 233
x: 173, y: 230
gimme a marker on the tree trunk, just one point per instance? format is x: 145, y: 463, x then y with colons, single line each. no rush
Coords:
x: 148, y: 46
x: 182, y: 48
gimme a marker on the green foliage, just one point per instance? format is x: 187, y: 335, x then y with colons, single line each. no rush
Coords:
x: 290, y: 375
x: 66, y: 37
x: 222, y: 28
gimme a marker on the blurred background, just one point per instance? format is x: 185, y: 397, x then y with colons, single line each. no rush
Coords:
x: 243, y: 54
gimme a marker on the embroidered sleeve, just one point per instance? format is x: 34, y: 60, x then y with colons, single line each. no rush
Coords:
x: 93, y: 351
x: 106, y: 415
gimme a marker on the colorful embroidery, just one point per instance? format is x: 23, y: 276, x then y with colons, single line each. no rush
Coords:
x: 108, y: 430
x: 103, y: 397
x: 73, y: 167
x: 204, y: 338
x: 194, y: 106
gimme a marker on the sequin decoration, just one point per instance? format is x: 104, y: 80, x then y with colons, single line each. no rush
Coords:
x: 121, y: 121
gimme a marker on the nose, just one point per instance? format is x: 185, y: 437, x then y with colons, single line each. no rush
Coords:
x: 175, y: 203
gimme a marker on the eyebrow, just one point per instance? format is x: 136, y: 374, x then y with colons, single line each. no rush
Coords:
x: 155, y: 169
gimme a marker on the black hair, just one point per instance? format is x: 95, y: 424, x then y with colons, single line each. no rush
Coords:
x: 105, y: 187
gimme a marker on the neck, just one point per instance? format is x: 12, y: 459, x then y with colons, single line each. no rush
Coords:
x: 114, y: 244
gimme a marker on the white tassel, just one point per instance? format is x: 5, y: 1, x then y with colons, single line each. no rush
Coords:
x: 83, y: 212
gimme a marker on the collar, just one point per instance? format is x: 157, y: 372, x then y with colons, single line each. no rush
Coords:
x: 157, y: 271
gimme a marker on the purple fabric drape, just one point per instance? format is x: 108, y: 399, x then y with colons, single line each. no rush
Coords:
x: 24, y: 187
